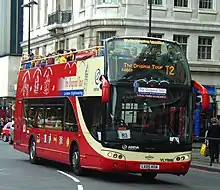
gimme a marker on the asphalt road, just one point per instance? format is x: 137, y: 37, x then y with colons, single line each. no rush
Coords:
x: 16, y: 173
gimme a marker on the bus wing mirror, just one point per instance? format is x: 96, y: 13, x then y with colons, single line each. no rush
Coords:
x: 204, y: 93
x: 105, y: 87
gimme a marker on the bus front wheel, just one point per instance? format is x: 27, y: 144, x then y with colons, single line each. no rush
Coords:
x: 75, y: 161
x: 32, y: 152
x: 149, y: 175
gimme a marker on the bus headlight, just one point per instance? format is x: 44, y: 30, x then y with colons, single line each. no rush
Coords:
x: 114, y: 155
x: 183, y: 157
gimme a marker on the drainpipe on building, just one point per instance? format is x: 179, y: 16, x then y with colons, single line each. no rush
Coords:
x: 217, y: 100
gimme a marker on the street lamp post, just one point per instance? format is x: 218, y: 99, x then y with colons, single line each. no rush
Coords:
x: 150, y: 17
x: 29, y: 5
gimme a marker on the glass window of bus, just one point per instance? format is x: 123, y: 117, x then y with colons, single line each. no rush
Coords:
x: 54, y: 114
x: 92, y: 113
x: 70, y: 119
x: 35, y: 116
x: 134, y: 58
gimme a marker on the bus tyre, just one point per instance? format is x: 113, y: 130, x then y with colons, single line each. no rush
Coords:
x: 149, y: 175
x: 32, y: 152
x: 75, y: 161
x: 4, y: 138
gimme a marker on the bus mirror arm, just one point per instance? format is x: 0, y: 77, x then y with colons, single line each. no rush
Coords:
x: 204, y: 93
x: 105, y: 87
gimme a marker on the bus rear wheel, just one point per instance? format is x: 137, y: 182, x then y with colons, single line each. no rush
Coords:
x: 4, y: 138
x: 32, y: 152
x: 75, y: 161
x: 149, y: 175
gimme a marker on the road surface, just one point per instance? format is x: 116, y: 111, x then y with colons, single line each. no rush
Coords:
x: 16, y: 173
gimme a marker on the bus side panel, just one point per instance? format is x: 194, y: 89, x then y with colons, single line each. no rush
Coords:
x: 18, y: 121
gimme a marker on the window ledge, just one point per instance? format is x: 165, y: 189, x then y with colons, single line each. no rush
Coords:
x: 81, y: 10
x: 182, y: 9
x: 208, y: 11
x: 205, y: 60
x: 159, y: 7
x: 107, y: 6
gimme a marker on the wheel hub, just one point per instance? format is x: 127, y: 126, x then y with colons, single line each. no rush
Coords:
x: 75, y: 159
x: 32, y: 151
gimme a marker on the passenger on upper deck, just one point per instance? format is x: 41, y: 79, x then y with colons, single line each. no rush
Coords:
x: 61, y: 56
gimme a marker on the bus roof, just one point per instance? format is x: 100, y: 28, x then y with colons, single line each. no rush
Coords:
x: 140, y: 37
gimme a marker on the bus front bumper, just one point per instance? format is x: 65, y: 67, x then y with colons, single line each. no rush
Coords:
x: 178, y: 168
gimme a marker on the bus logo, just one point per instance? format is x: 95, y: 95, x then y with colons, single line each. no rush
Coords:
x: 124, y: 147
x: 149, y: 157
x: 97, y: 76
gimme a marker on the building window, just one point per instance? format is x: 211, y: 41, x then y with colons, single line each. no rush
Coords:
x: 205, y: 4
x: 82, y: 4
x: 205, y: 48
x: 38, y: 13
x: 180, y: 3
x: 37, y: 51
x: 105, y: 35
x: 107, y: 1
x: 182, y: 40
x: 156, y: 2
x: 67, y: 44
x: 45, y: 11
x: 32, y: 17
x: 81, y: 41
x: 154, y: 35
x: 62, y: 44
x: 44, y: 50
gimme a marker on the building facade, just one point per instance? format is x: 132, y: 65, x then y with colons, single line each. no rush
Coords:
x: 11, y: 34
x: 195, y: 24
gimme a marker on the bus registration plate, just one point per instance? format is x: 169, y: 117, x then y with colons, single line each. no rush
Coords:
x: 149, y: 167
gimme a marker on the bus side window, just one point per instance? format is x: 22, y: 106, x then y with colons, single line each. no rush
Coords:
x: 54, y: 117
x: 39, y: 117
x: 70, y: 119
x: 92, y: 113
x: 25, y: 113
x: 33, y: 116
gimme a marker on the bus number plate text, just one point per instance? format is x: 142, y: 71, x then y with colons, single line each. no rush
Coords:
x: 149, y: 167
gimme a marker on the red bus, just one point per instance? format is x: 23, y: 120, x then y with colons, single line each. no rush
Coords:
x: 125, y: 107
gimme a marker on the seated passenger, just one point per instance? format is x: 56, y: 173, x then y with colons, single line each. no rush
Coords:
x: 61, y: 58
x: 50, y: 60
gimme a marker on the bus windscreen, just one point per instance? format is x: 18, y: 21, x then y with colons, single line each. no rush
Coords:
x: 135, y: 59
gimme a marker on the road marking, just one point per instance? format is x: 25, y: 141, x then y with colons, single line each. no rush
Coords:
x: 69, y: 176
x: 80, y: 187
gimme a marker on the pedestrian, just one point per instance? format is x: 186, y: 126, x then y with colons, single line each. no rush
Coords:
x: 214, y: 132
x: 1, y: 125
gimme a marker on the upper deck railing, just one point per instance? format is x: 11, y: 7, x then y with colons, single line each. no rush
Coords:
x: 42, y: 61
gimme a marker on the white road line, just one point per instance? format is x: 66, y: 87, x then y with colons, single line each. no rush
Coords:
x: 69, y: 176
x: 80, y: 187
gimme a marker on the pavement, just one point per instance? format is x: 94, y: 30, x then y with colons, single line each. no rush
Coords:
x: 16, y: 173
x: 202, y: 162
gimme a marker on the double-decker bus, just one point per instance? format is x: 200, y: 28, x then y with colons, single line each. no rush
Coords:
x: 126, y: 107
